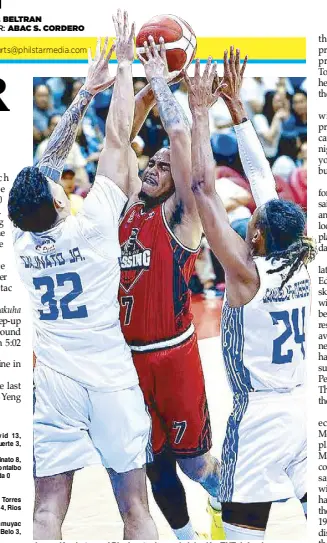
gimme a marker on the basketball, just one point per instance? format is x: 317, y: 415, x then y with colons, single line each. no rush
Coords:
x: 180, y: 40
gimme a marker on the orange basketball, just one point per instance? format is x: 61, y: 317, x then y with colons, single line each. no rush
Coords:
x: 180, y: 40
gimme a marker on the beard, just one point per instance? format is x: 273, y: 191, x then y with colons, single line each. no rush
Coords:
x: 154, y: 201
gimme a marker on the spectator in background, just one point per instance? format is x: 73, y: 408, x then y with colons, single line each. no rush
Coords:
x: 153, y: 133
x: 42, y: 110
x: 235, y: 200
x: 253, y: 95
x: 302, y: 156
x: 296, y: 124
x: 219, y: 118
x: 142, y: 159
x: 67, y: 181
x: 298, y: 178
x: 268, y: 124
x: 292, y: 154
x: 75, y: 158
x: 90, y: 146
x: 57, y: 86
x: 285, y: 163
x: 205, y: 272
x: 254, y: 90
x: 225, y: 150
x: 91, y: 115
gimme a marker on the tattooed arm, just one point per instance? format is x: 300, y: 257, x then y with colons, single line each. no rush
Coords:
x: 63, y: 137
x: 145, y: 100
x: 182, y: 205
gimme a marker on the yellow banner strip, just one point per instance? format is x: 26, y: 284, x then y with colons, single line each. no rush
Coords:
x: 61, y: 49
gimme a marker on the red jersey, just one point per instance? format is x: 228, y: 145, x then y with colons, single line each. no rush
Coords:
x: 155, y: 302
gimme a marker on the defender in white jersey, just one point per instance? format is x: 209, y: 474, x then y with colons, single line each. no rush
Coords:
x: 88, y: 405
x: 264, y: 321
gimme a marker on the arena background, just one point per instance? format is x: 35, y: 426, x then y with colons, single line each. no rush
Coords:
x: 277, y: 107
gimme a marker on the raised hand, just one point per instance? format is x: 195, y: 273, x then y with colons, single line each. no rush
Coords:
x: 124, y: 37
x: 155, y: 63
x: 233, y: 75
x: 202, y: 91
x: 98, y: 76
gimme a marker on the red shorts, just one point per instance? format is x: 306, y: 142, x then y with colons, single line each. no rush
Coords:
x: 173, y: 386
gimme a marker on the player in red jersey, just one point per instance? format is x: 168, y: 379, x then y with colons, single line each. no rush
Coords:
x: 160, y: 234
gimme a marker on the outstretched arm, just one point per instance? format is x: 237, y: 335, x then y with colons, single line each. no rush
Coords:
x: 144, y: 102
x: 254, y: 162
x: 63, y: 137
x: 174, y: 122
x: 228, y: 246
x: 113, y: 162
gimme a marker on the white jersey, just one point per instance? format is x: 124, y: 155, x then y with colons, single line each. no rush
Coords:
x: 264, y: 341
x: 72, y: 275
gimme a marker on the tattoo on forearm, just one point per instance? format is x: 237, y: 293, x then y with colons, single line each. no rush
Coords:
x: 63, y: 137
x: 171, y: 113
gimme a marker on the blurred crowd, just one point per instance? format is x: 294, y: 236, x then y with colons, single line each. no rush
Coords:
x: 277, y: 107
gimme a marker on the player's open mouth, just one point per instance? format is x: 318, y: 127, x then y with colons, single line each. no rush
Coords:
x: 150, y: 181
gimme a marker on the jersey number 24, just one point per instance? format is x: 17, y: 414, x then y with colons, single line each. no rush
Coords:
x: 292, y: 330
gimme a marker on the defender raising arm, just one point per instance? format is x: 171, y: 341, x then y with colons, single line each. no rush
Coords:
x: 113, y: 161
x: 227, y: 245
x: 258, y: 356
x: 84, y: 368
x: 254, y: 162
x: 63, y: 137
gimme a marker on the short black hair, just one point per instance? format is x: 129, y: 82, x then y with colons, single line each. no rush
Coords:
x: 282, y: 223
x: 283, y: 226
x: 30, y: 203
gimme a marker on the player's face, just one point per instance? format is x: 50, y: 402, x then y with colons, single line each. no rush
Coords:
x: 61, y: 201
x: 157, y: 180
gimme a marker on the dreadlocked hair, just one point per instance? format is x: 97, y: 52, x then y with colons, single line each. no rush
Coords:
x: 30, y: 203
x: 283, y: 226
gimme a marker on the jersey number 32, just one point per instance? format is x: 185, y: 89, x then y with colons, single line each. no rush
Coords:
x: 48, y: 298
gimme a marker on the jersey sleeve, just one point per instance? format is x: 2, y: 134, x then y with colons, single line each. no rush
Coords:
x: 16, y: 233
x: 260, y: 124
x: 255, y: 164
x: 99, y: 217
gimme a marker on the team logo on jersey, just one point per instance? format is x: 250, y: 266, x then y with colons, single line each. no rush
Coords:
x: 46, y: 245
x: 135, y: 260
